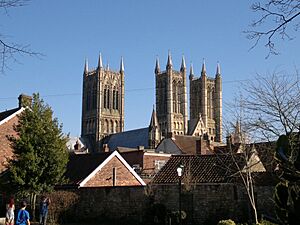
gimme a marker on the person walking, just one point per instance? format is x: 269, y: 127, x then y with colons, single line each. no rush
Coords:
x: 44, y: 205
x: 23, y: 215
x: 10, y: 215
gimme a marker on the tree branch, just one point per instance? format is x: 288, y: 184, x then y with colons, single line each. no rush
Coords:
x: 278, y: 14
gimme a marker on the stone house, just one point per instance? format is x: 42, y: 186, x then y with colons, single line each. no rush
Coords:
x: 100, y: 170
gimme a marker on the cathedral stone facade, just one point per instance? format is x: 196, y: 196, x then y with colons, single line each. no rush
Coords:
x: 102, y: 103
x: 103, y: 107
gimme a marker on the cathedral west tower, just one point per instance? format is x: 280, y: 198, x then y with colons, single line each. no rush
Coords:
x: 171, y: 99
x: 102, y: 103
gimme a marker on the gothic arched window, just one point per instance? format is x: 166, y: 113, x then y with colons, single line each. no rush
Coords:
x: 112, y: 126
x: 179, y: 96
x: 105, y: 98
x: 94, y: 98
x: 114, y: 99
x: 108, y: 99
x: 116, y: 126
x: 174, y: 95
x: 117, y: 100
x: 106, y: 128
x: 87, y: 101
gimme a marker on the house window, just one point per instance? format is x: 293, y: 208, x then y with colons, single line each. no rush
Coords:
x: 158, y: 164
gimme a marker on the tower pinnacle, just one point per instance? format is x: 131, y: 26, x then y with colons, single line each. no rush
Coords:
x: 203, y: 71
x: 157, y: 66
x: 191, y: 71
x: 86, y: 67
x: 122, y: 65
x: 218, y: 69
x: 183, y: 66
x: 100, y: 64
x: 169, y: 63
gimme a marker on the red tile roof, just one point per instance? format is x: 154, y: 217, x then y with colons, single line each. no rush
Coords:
x: 219, y: 168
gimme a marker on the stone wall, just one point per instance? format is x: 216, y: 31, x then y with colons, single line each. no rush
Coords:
x: 204, y: 204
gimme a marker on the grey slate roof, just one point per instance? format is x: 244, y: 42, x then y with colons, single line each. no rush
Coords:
x: 7, y: 113
x: 128, y: 139
x: 80, y: 166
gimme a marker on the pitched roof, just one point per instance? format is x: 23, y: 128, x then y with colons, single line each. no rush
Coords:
x: 218, y: 168
x: 128, y: 139
x: 189, y: 144
x: 83, y: 167
x: 80, y: 166
x: 6, y: 115
x: 199, y: 168
x: 266, y: 151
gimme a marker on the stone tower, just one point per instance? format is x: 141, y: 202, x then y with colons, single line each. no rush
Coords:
x: 171, y: 98
x: 206, y: 102
x: 102, y: 103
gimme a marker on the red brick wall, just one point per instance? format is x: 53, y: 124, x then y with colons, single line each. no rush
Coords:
x: 5, y: 149
x: 149, y: 163
x: 104, y: 177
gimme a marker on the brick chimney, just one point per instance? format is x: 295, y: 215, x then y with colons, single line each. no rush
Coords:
x: 77, y: 146
x: 140, y: 147
x: 24, y: 100
x: 105, y: 148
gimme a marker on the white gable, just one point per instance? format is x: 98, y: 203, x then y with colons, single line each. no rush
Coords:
x: 114, y: 154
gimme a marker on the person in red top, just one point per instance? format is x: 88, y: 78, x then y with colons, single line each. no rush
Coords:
x: 10, y: 215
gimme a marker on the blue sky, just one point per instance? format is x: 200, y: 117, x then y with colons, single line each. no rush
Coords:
x: 67, y: 32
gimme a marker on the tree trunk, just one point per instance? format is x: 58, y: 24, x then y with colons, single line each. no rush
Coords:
x: 32, y: 204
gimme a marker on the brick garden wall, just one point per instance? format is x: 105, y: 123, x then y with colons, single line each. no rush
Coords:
x: 204, y: 204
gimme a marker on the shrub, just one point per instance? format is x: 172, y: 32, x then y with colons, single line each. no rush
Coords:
x: 62, y: 204
x: 226, y: 222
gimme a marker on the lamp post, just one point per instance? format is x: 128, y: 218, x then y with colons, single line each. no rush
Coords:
x: 180, y: 172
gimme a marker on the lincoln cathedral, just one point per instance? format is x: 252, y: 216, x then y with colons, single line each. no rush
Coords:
x: 103, y: 107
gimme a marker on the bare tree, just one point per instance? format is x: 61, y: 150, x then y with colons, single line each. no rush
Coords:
x: 272, y: 106
x: 275, y: 19
x: 9, y: 51
x: 248, y: 159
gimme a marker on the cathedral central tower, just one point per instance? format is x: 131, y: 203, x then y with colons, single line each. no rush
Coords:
x: 102, y: 103
x: 171, y: 99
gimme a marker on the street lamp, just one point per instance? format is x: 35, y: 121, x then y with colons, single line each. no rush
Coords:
x: 180, y: 172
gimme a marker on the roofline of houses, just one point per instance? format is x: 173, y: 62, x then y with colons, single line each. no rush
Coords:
x: 158, y: 154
